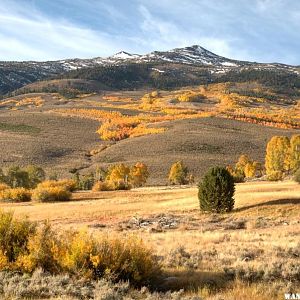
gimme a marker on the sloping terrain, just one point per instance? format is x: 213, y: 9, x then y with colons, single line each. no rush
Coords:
x: 199, y: 143
x: 60, y: 134
x: 46, y: 139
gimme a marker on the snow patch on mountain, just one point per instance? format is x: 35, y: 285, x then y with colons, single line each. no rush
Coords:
x: 157, y: 70
x: 124, y: 55
x: 229, y: 64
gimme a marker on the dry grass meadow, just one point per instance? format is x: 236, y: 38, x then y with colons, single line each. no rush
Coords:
x: 249, y: 253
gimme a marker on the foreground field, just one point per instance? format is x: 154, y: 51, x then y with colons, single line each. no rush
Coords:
x: 250, y: 253
x: 87, y: 208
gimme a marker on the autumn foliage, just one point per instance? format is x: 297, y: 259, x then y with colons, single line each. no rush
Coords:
x: 282, y: 156
x: 123, y: 177
x: 138, y: 174
x: 15, y: 195
x: 178, y: 173
x: 245, y: 168
x: 25, y: 247
x: 190, y: 96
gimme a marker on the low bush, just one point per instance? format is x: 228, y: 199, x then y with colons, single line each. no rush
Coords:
x: 122, y: 185
x: 49, y: 194
x: 237, y: 174
x: 67, y: 184
x: 125, y: 260
x: 190, y: 97
x: 14, y: 236
x: 44, y: 250
x: 26, y: 248
x: 100, y: 186
x: 15, y: 195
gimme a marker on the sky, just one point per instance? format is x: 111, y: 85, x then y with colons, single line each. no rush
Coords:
x: 254, y: 30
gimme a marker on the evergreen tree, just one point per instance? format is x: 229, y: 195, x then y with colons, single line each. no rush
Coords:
x: 216, y: 191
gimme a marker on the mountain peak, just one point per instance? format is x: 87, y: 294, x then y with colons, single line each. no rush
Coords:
x: 194, y: 54
x: 124, y: 55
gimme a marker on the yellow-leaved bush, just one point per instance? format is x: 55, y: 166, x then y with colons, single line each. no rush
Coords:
x: 123, y: 177
x: 3, y: 186
x: 52, y: 190
x: 68, y: 184
x: 190, y: 96
x: 101, y: 186
x: 15, y: 195
x: 50, y: 194
x: 73, y: 252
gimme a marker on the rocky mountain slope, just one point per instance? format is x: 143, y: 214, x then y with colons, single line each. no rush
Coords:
x: 14, y: 75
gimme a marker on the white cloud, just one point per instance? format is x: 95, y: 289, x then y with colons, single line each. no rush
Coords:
x: 164, y: 35
x: 262, y: 30
x: 38, y: 37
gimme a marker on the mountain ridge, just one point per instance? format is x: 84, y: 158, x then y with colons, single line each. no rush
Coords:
x: 15, y: 75
x: 123, y: 55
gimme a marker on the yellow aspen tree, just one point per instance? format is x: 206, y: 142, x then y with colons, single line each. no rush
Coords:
x: 118, y: 175
x: 138, y: 174
x: 277, y: 157
x: 249, y: 170
x: 178, y: 173
x: 253, y: 169
x: 242, y: 162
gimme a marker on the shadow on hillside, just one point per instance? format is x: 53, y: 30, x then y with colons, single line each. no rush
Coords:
x: 271, y: 202
x: 193, y: 281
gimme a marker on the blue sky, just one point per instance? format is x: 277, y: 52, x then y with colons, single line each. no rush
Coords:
x: 256, y: 30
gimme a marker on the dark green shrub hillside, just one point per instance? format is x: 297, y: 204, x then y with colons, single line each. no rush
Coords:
x: 216, y: 191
